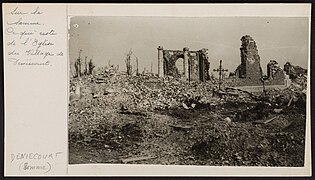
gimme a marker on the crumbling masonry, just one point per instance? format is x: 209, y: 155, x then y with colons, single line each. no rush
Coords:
x: 249, y: 72
x: 190, y: 65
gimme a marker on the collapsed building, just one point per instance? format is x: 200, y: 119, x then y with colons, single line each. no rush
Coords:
x: 195, y: 65
x: 294, y: 71
x: 186, y: 64
x: 249, y: 72
x: 275, y: 74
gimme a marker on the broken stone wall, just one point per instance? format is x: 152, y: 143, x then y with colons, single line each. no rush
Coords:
x: 249, y: 72
x: 275, y: 75
x: 204, y: 65
x: 195, y: 65
x: 294, y: 71
x: 170, y: 58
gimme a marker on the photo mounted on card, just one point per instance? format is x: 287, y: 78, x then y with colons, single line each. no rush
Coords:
x: 163, y: 89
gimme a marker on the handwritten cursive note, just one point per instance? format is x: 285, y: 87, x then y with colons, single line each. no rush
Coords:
x: 34, y: 161
x: 35, y: 69
x: 29, y: 37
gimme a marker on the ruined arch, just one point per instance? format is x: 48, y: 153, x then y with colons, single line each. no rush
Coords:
x: 171, y: 67
x: 190, y: 65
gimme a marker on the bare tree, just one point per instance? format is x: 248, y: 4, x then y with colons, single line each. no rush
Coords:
x: 85, y: 66
x: 128, y: 63
x: 91, y: 66
x: 77, y: 65
x: 137, y: 64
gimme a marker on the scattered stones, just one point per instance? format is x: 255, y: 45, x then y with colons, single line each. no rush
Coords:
x: 193, y: 105
x: 183, y: 123
x: 278, y: 110
x: 228, y: 120
x: 185, y: 106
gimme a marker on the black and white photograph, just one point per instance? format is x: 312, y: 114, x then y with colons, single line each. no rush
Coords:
x: 204, y: 91
x: 165, y: 90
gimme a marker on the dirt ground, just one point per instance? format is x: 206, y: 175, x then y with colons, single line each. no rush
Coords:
x: 146, y: 120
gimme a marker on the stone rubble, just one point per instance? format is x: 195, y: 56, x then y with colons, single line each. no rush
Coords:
x: 142, y: 116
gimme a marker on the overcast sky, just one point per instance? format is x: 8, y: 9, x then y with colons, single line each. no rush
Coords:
x: 110, y: 38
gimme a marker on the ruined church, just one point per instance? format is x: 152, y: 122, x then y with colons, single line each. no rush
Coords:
x: 185, y: 64
x: 249, y: 72
x: 195, y: 65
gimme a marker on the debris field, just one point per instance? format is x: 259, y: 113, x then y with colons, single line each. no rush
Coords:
x: 144, y: 119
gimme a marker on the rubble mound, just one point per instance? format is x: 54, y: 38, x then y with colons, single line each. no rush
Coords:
x: 115, y: 118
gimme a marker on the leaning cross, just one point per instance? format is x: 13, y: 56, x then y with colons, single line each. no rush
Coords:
x: 220, y: 70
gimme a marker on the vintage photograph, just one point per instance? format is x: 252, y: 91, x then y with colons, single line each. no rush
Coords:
x: 205, y: 91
